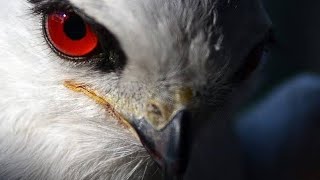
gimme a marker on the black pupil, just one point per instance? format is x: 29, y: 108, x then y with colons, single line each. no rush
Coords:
x: 75, y: 27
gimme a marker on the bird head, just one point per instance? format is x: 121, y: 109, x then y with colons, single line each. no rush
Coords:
x: 90, y: 85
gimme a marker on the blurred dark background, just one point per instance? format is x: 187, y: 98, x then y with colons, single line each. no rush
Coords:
x: 296, y: 52
x: 297, y: 48
x: 295, y: 153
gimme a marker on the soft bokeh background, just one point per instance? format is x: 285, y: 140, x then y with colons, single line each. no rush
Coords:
x: 275, y: 145
x: 283, y: 142
x: 297, y: 49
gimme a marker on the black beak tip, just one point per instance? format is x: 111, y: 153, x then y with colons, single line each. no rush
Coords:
x: 175, y: 156
x: 169, y: 147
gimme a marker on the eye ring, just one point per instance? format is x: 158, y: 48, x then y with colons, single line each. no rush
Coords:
x: 77, y: 38
x: 69, y: 35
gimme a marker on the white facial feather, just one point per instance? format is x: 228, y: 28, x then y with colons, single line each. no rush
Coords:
x: 49, y: 132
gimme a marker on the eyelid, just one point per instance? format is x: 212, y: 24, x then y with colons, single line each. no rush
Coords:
x: 46, y: 7
x: 108, y: 43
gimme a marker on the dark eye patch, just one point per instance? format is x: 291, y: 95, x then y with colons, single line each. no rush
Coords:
x: 67, y: 31
x: 254, y: 58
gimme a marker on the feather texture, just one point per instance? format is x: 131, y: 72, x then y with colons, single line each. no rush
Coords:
x: 49, y: 132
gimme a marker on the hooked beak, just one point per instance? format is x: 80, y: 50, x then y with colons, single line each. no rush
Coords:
x: 168, y: 146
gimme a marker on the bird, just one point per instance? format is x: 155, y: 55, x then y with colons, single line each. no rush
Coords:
x: 114, y: 89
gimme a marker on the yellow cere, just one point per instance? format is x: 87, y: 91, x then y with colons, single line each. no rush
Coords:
x: 159, y: 113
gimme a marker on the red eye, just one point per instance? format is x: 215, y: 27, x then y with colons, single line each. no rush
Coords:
x: 69, y: 34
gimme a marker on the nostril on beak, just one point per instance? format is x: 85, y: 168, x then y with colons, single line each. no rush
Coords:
x: 156, y: 114
x: 152, y: 108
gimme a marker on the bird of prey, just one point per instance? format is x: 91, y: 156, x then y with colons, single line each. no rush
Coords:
x: 116, y: 89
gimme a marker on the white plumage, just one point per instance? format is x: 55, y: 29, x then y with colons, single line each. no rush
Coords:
x: 50, y: 132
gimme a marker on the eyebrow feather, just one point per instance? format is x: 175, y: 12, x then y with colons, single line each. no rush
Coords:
x: 45, y: 6
x: 49, y: 6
